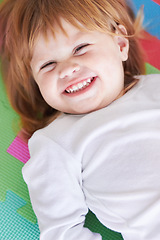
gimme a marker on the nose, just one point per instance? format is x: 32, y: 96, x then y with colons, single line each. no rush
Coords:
x: 67, y: 69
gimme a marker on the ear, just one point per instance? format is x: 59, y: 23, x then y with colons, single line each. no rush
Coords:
x: 122, y: 42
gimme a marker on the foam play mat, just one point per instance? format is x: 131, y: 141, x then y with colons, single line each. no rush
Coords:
x: 17, y: 219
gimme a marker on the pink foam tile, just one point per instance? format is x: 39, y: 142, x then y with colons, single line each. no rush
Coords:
x: 151, y: 46
x: 156, y: 1
x: 19, y: 150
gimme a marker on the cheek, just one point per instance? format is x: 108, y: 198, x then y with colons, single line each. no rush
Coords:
x: 47, y: 91
x: 110, y: 66
x: 88, y: 59
x: 46, y: 83
x: 112, y: 70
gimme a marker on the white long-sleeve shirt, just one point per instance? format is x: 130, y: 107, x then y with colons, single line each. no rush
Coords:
x: 107, y: 161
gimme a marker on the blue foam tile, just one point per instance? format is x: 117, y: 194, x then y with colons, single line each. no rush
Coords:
x: 151, y: 15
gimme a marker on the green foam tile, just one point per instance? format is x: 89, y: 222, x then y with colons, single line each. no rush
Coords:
x: 95, y: 226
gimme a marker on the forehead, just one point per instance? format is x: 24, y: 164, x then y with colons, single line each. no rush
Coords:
x: 69, y: 30
x: 60, y: 31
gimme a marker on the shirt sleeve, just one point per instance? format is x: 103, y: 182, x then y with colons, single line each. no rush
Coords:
x: 54, y: 181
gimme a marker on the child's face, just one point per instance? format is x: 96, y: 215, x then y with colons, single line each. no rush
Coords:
x: 81, y: 72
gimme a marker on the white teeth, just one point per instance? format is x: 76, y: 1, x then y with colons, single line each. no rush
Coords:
x: 79, y: 86
x: 71, y: 90
x: 75, y: 88
x: 84, y: 83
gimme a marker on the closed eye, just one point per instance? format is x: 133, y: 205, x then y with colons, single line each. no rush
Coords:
x: 80, y: 49
x: 48, y: 64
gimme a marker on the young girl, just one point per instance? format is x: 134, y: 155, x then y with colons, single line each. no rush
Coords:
x: 72, y: 70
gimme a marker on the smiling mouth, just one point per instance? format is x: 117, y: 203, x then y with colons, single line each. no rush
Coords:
x: 79, y: 86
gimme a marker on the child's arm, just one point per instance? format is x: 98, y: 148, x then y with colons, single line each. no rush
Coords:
x: 54, y: 182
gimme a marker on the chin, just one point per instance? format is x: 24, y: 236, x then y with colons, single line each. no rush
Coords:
x: 84, y: 110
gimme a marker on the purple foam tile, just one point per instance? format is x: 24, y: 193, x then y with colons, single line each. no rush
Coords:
x: 19, y: 150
